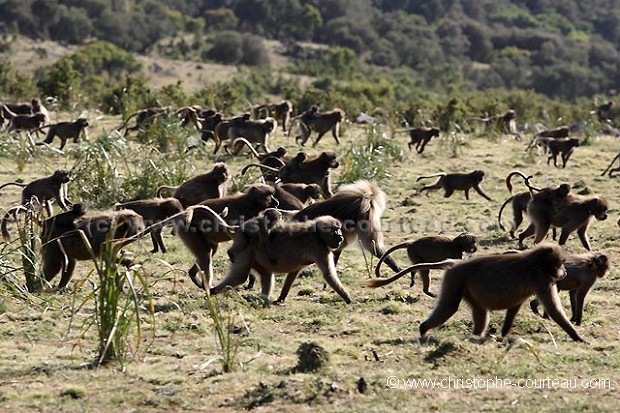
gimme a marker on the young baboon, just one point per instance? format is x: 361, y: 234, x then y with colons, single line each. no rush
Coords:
x: 321, y: 123
x: 502, y: 282
x: 563, y: 147
x: 427, y: 249
x: 281, y: 112
x: 256, y: 232
x: 582, y: 271
x: 559, y: 208
x: 203, y: 234
x: 207, y: 131
x: 143, y: 118
x: 44, y: 189
x: 201, y: 187
x: 64, y: 130
x: 27, y: 123
x: 153, y: 211
x: 458, y: 182
x: 255, y: 131
x: 291, y: 246
x: 303, y: 192
x: 62, y: 244
x: 420, y: 137
x: 602, y: 111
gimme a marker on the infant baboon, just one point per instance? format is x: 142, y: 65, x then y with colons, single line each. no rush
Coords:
x: 582, y: 271
x: 427, y: 249
x: 420, y: 137
x: 562, y: 147
x: 201, y: 187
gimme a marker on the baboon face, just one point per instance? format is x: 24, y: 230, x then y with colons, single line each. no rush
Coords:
x: 601, y: 264
x: 467, y: 243
x: 478, y: 175
x: 434, y: 132
x: 263, y: 194
x: 330, y: 159
x: 61, y: 176
x: 575, y: 142
x: 599, y: 208
x: 331, y: 232
x: 221, y: 173
x: 83, y: 122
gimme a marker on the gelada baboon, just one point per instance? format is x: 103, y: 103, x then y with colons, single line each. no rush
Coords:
x: 288, y: 248
x: 358, y: 206
x: 427, y: 249
x: 203, y: 233
x: 26, y: 123
x: 254, y: 131
x: 195, y: 115
x: 562, y: 147
x: 207, y: 131
x: 63, y: 245
x: 582, y: 271
x: 610, y: 169
x: 456, y: 182
x: 201, y: 187
x: 502, y: 282
x: 305, y: 169
x: 420, y: 137
x: 519, y: 207
x: 602, y: 111
x: 44, y: 189
x: 559, y: 208
x: 152, y: 212
x: 303, y: 192
x: 64, y: 130
x: 281, y: 112
x: 321, y: 123
x: 143, y: 118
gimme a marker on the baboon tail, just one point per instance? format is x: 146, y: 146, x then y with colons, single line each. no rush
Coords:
x: 5, y: 220
x: 441, y: 265
x: 8, y: 113
x: 127, y: 120
x: 387, y: 254
x: 164, y: 187
x: 13, y: 183
x: 605, y: 171
x: 499, y: 215
x: 430, y: 176
x: 525, y: 178
x: 258, y: 165
x: 247, y: 143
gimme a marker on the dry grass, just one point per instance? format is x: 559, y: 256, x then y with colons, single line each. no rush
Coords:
x: 40, y: 366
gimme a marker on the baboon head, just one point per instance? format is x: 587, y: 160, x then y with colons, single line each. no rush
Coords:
x: 39, y: 117
x: 563, y: 190
x: 549, y: 263
x: 478, y: 175
x: 600, y: 262
x: 83, y: 122
x: 280, y: 152
x: 598, y: 208
x: 262, y: 194
x: 313, y: 191
x: 330, y: 231
x: 434, y: 132
x: 220, y: 172
x: 574, y: 142
x: 61, y: 175
x: 466, y: 242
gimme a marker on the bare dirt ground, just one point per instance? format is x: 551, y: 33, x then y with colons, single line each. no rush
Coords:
x: 176, y: 368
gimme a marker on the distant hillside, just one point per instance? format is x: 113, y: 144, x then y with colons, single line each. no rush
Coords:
x: 561, y: 48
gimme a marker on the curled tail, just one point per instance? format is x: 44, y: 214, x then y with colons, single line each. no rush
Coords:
x: 164, y: 187
x: 387, y: 254
x: 526, y: 179
x: 5, y: 220
x: 258, y: 165
x: 128, y: 119
x: 248, y: 144
x: 499, y: 215
x: 441, y: 265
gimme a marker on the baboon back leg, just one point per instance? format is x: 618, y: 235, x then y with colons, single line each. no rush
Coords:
x: 305, y: 134
x: 51, y: 267
x: 449, y: 191
x: 67, y: 272
x: 336, y: 132
x: 286, y: 288
x: 518, y: 219
x: 267, y: 280
x: 534, y: 306
x: 541, y: 230
x: 318, y: 138
x: 466, y: 194
x: 443, y: 311
x: 573, y: 304
x: 412, y: 279
x: 529, y: 231
x: 193, y: 272
x: 155, y: 243
x: 426, y: 283
x: 511, y: 313
x: 481, y: 319
x: 579, y: 298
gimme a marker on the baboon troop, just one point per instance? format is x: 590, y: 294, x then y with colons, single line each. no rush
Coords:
x: 456, y: 182
x: 290, y: 217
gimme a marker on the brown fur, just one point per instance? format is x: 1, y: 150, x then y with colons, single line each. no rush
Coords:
x: 519, y: 207
x: 153, y: 211
x: 64, y: 131
x: 203, y: 234
x: 254, y: 131
x: 556, y: 207
x: 26, y: 122
x: 502, y: 282
x: 582, y: 271
x: 321, y: 123
x: 456, y: 182
x: 281, y: 112
x: 303, y: 192
x: 201, y: 187
x: 144, y: 117
x: 62, y: 244
x: 420, y: 137
x: 427, y: 249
